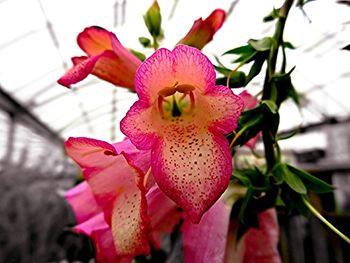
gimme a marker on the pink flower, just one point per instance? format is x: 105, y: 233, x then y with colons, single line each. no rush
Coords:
x: 202, y: 32
x: 260, y: 244
x: 116, y: 177
x: 164, y: 216
x: 182, y: 117
x: 107, y: 59
x: 249, y: 103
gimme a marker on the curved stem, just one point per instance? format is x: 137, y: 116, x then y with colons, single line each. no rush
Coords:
x: 325, y: 221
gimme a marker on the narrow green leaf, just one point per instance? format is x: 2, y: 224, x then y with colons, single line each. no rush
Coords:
x: 263, y: 44
x: 140, y: 55
x: 272, y: 15
x: 311, y: 182
x: 237, y: 80
x: 247, y: 49
x: 293, y: 180
x: 255, y: 69
x: 287, y: 44
x: 271, y: 105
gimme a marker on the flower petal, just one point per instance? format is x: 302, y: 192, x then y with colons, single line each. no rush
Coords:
x: 222, y: 108
x: 260, y: 244
x: 94, y: 40
x: 206, y: 241
x: 119, y: 191
x: 116, y: 69
x: 92, y: 224
x: 79, y: 71
x: 193, y: 167
x: 154, y: 74
x: 202, y: 32
x: 82, y: 202
x: 164, y: 214
x: 193, y: 68
x: 137, y: 125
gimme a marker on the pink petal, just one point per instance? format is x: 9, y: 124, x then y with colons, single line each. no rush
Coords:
x: 249, y: 103
x: 78, y: 72
x: 94, y: 40
x: 82, y: 202
x: 137, y: 158
x: 194, y: 68
x: 154, y: 74
x: 92, y: 224
x: 202, y: 32
x: 164, y: 214
x: 119, y: 191
x: 206, y: 241
x: 249, y: 100
x: 260, y: 245
x: 193, y: 167
x: 105, y: 249
x: 137, y: 125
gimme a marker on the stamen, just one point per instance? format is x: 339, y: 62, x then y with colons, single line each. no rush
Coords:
x: 160, y: 105
x: 185, y: 88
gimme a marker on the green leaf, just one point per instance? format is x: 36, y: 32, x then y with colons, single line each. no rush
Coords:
x: 277, y: 173
x: 311, y: 182
x: 225, y: 71
x: 282, y: 84
x: 271, y: 105
x: 153, y: 20
x: 237, y: 80
x: 263, y: 44
x: 247, y: 49
x: 140, y: 55
x: 256, y: 68
x: 289, y: 45
x: 145, y: 42
x: 293, y: 180
x: 272, y: 15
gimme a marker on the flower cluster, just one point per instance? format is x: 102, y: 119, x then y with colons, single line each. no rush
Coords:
x: 175, y: 162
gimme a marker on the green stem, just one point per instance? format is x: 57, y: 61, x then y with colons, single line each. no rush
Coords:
x: 269, y: 142
x: 325, y: 221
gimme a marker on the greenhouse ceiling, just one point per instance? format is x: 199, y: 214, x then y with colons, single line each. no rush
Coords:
x: 38, y: 38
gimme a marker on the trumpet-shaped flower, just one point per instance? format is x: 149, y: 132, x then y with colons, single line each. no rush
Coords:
x: 116, y: 178
x: 107, y: 59
x: 203, y: 31
x: 182, y: 117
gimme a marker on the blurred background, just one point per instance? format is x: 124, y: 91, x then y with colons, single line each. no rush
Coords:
x: 37, y: 40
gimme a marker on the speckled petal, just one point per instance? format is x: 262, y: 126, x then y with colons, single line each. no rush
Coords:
x: 79, y: 71
x: 222, y: 108
x: 82, y: 201
x: 138, y: 125
x: 193, y: 167
x: 118, y: 190
x: 206, y: 241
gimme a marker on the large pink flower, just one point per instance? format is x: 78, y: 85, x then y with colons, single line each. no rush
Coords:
x: 202, y: 32
x: 182, y: 117
x: 107, y: 59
